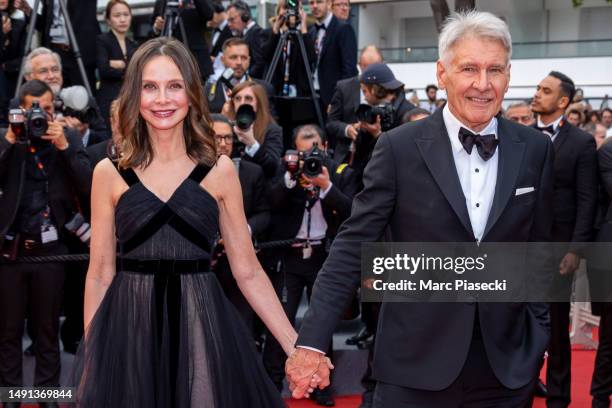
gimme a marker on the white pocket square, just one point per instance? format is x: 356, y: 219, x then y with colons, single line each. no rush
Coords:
x: 524, y: 190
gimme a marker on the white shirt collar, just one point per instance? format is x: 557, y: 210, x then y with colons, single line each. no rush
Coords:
x: 453, y: 125
x: 555, y: 123
x: 222, y: 25
x: 328, y: 19
x: 248, y: 27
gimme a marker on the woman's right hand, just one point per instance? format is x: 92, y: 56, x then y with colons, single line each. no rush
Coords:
x: 117, y: 64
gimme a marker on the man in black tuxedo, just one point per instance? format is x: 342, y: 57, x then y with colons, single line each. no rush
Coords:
x: 309, y: 209
x: 54, y: 35
x: 195, y: 14
x: 336, y: 49
x: 235, y: 57
x: 220, y: 33
x: 574, y: 209
x: 342, y: 124
x: 461, y: 175
x: 39, y: 178
x: 256, y: 209
x: 242, y: 25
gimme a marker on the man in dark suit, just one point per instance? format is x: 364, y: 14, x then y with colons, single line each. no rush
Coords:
x: 309, y: 209
x: 54, y: 35
x: 242, y: 25
x: 574, y: 210
x: 460, y: 175
x: 342, y: 124
x: 221, y: 32
x: 256, y: 209
x: 195, y: 14
x: 336, y: 49
x: 39, y: 178
x: 235, y: 57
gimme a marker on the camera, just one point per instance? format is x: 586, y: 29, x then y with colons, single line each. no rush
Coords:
x: 309, y: 163
x: 292, y: 14
x: 245, y: 116
x: 29, y: 124
x: 366, y: 113
x: 79, y: 227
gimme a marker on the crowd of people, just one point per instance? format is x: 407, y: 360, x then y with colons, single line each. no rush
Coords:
x: 304, y: 137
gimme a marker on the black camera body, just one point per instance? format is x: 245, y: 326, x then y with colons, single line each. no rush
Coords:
x: 29, y: 124
x: 292, y: 14
x: 309, y: 163
x: 367, y: 113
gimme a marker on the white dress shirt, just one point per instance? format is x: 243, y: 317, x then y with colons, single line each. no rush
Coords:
x: 477, y: 177
x: 555, y: 124
x: 318, y: 225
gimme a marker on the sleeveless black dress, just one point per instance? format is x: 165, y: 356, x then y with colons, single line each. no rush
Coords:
x: 164, y: 334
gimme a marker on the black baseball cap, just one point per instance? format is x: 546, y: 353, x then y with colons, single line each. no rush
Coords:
x: 380, y: 74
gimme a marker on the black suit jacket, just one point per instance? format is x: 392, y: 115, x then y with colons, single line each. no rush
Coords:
x: 69, y: 178
x: 226, y: 34
x: 338, y: 59
x: 412, y: 192
x: 256, y: 206
x: 194, y: 20
x: 216, y: 97
x: 84, y: 22
x: 288, y: 204
x: 342, y: 108
x: 111, y: 79
x: 255, y: 38
x: 575, y: 188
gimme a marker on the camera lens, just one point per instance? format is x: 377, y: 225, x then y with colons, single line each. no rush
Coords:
x: 245, y: 116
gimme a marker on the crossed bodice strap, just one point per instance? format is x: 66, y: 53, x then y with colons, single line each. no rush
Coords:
x: 172, y: 266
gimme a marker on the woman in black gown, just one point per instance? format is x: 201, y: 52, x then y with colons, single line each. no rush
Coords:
x: 159, y: 331
x: 113, y: 52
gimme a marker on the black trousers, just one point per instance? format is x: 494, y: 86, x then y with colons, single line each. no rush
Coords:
x: 297, y: 273
x: 476, y: 387
x: 601, y: 384
x: 37, y: 288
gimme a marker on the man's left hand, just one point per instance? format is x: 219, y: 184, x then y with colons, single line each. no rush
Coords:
x: 375, y: 129
x: 55, y: 134
x: 322, y: 180
x: 245, y: 136
x: 75, y: 124
x: 569, y: 263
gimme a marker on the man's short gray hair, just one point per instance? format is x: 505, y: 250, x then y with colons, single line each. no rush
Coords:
x: 478, y: 24
x: 520, y: 104
x: 27, y: 62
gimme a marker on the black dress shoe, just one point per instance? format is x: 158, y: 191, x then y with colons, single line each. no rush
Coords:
x: 363, y: 334
x: 323, y: 397
x: 540, y: 389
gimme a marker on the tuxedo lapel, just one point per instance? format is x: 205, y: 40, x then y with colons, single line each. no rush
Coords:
x: 510, y: 150
x: 561, y: 137
x: 329, y: 34
x: 435, y: 148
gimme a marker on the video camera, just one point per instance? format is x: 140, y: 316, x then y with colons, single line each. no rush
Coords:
x: 367, y: 113
x: 309, y: 163
x: 29, y: 124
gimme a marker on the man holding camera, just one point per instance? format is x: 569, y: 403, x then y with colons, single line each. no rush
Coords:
x: 236, y: 60
x: 243, y: 25
x: 385, y: 106
x: 309, y: 202
x: 43, y: 166
x: 194, y: 14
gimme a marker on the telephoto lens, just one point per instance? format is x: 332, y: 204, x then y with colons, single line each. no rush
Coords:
x: 245, y: 116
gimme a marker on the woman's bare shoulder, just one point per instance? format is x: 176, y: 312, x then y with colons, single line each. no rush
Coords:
x: 222, y: 178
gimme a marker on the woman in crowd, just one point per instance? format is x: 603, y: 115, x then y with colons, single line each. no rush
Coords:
x: 12, y: 43
x: 263, y: 140
x: 114, y: 51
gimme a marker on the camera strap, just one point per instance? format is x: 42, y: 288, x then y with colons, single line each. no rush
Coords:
x: 48, y: 231
x: 307, y: 248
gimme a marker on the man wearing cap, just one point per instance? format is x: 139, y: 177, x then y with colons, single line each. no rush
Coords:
x: 382, y: 91
x: 466, y: 175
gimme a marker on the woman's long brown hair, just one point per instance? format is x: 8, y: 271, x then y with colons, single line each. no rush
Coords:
x: 136, y: 149
x: 262, y: 117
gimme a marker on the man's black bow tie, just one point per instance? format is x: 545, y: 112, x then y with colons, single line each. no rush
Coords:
x: 486, y: 144
x: 320, y: 26
x: 547, y: 129
x: 217, y: 30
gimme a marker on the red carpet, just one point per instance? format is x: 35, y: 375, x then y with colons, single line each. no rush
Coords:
x: 582, y: 369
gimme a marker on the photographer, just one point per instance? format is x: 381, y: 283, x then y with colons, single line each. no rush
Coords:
x: 195, y: 15
x: 42, y: 168
x: 262, y: 138
x: 309, y: 202
x: 385, y: 106
x: 289, y: 78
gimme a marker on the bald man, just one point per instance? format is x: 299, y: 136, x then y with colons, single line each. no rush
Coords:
x: 342, y: 124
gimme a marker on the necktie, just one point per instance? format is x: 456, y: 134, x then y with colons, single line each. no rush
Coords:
x: 320, y: 26
x: 550, y: 130
x: 486, y: 144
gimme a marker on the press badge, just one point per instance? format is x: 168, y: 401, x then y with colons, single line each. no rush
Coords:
x: 48, y: 233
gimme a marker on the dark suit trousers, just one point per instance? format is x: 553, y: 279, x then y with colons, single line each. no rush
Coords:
x: 297, y: 274
x: 601, y: 385
x: 37, y: 288
x: 476, y: 387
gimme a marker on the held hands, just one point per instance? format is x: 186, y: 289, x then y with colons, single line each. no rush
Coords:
x: 322, y: 180
x: 245, y: 136
x: 307, y: 369
x: 375, y: 129
x: 55, y: 134
x: 569, y: 263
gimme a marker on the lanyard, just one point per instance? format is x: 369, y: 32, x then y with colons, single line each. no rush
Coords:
x: 41, y: 167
